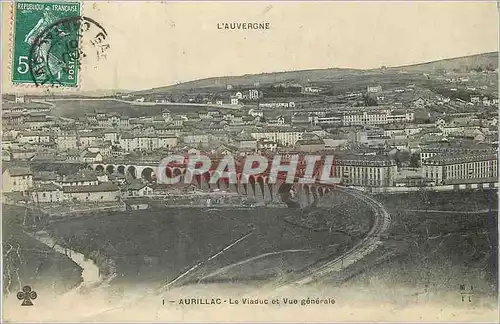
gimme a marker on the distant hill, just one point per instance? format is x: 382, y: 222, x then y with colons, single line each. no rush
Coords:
x: 485, y: 61
x: 301, y: 76
x: 459, y: 64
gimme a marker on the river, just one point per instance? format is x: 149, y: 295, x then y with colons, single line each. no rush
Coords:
x: 90, y: 271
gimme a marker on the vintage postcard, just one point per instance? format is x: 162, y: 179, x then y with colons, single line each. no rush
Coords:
x: 249, y: 161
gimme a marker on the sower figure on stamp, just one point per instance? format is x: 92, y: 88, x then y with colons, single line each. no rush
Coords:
x: 42, y: 50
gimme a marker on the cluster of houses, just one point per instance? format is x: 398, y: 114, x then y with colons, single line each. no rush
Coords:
x: 83, y: 186
x: 369, y: 140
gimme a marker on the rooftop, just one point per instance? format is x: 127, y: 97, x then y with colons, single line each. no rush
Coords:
x: 136, y: 185
x: 368, y: 160
x: 18, y: 171
x: 46, y: 187
x: 85, y: 175
x: 461, y: 158
x: 456, y: 145
x: 102, y: 187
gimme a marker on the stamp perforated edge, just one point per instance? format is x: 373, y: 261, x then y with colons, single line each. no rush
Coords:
x: 11, y: 57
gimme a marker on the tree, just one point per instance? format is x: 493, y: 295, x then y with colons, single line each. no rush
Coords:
x: 402, y: 156
x: 415, y: 160
x: 490, y: 67
x: 369, y: 100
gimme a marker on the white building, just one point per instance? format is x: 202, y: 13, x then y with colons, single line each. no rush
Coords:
x: 275, y: 105
x: 284, y: 136
x: 47, y: 193
x: 106, y: 191
x: 365, y: 118
x: 267, y: 145
x: 82, y: 178
x: 375, y: 117
x: 196, y: 138
x: 253, y: 94
x: 364, y: 170
x: 311, y: 90
x: 147, y: 142
x: 403, y: 117
x: 34, y: 137
x: 234, y: 100
x: 475, y: 99
x: 17, y: 179
x: 374, y: 89
x: 137, y: 189
x: 255, y: 112
x: 464, y: 168
x: 445, y: 149
x: 87, y: 139
x: 67, y: 141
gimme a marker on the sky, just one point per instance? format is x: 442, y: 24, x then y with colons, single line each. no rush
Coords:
x: 155, y: 44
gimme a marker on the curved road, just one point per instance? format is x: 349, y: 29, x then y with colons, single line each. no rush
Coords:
x: 382, y: 222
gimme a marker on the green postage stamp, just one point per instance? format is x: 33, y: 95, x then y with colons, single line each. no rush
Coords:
x: 45, y: 48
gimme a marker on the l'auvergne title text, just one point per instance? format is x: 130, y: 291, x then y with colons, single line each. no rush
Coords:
x: 244, y: 25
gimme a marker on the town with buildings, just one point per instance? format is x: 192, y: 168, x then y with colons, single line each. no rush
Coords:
x: 385, y: 138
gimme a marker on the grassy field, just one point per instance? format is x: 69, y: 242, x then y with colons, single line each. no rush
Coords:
x: 452, y: 200
x: 354, y: 219
x: 436, y: 252
x: 160, y: 245
x: 78, y: 108
x: 29, y: 262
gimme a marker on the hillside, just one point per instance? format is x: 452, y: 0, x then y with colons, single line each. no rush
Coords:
x: 300, y: 76
x: 459, y: 64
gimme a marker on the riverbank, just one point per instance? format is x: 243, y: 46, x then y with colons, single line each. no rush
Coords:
x: 91, y: 274
x: 27, y: 261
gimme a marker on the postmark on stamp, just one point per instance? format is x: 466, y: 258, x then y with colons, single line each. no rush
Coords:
x: 50, y: 42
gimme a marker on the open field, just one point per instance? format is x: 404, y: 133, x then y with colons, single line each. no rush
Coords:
x: 434, y: 253
x: 159, y: 245
x: 78, y: 108
x: 151, y: 246
x: 432, y: 200
x: 32, y: 105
